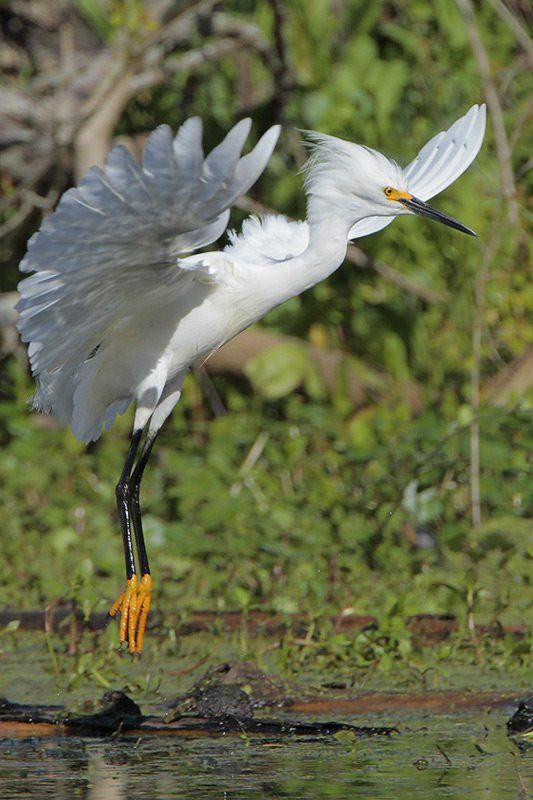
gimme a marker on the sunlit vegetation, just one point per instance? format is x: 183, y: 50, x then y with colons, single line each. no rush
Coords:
x: 301, y: 498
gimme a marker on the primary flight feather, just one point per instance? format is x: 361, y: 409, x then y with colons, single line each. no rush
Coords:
x: 120, y: 303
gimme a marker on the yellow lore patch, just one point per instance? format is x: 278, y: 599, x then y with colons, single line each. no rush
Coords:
x: 396, y: 194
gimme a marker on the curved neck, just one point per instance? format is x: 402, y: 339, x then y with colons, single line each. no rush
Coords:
x: 268, y: 285
x: 328, y: 241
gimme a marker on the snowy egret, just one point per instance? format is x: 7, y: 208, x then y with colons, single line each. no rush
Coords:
x: 120, y: 304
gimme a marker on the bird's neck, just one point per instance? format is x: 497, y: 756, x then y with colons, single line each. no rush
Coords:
x: 267, y: 286
x: 328, y: 240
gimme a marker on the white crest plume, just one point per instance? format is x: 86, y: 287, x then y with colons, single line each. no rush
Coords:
x: 347, y: 166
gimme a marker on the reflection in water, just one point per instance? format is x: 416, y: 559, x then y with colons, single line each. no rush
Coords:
x: 107, y: 781
x: 433, y: 757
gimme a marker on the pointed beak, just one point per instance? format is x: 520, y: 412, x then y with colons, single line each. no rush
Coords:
x: 419, y: 207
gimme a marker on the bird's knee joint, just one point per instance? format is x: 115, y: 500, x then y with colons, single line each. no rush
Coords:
x: 123, y: 490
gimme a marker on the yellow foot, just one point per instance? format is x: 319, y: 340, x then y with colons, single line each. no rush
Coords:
x: 134, y: 605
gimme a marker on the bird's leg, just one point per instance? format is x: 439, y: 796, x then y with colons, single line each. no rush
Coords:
x: 127, y: 602
x: 145, y: 586
x: 135, y: 606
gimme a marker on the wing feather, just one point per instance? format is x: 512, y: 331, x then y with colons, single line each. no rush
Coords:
x: 188, y: 150
x: 369, y: 225
x: 445, y: 157
x: 439, y: 163
x: 219, y: 166
x: 111, y: 247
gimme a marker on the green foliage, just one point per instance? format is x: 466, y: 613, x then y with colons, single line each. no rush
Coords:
x: 317, y: 521
x: 313, y: 523
x: 123, y: 20
x: 283, y: 368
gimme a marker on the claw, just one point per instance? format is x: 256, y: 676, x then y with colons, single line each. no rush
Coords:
x: 134, y: 605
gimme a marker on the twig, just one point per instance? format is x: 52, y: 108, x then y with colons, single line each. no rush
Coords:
x: 29, y: 202
x: 282, y: 73
x: 210, y: 390
x: 359, y: 257
x: 93, y: 140
x: 521, y: 34
x: 443, y: 754
x: 493, y: 101
x: 254, y: 454
x: 248, y: 33
x: 212, y: 51
x: 179, y: 28
x: 16, y: 219
x: 477, y: 335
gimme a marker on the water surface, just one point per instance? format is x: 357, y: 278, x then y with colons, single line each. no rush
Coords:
x: 457, y: 756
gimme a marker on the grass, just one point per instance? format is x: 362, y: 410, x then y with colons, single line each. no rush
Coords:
x: 321, y: 520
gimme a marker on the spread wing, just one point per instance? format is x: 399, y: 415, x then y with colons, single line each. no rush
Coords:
x: 112, y: 244
x: 440, y: 162
x: 368, y: 225
x: 445, y: 157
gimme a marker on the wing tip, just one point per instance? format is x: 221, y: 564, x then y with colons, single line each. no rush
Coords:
x: 478, y: 110
x: 245, y: 123
x: 270, y: 137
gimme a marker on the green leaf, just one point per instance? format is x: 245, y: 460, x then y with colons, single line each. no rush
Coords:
x: 278, y: 371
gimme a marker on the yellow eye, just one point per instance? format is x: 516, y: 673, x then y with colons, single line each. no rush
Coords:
x: 389, y: 191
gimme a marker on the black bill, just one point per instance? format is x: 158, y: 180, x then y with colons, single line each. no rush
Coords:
x: 421, y: 208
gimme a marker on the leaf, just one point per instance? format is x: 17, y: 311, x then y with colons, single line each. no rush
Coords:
x: 278, y: 371
x: 361, y: 430
x: 395, y: 356
x: 97, y: 15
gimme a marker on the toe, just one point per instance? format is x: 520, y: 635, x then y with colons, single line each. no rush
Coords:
x: 143, y: 609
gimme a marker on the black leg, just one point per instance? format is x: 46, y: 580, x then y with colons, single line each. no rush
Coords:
x: 123, y: 494
x: 135, y: 506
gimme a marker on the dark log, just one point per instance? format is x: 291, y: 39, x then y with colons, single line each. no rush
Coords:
x: 121, y: 716
x: 426, y: 629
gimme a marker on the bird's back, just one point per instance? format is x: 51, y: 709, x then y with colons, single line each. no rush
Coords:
x: 268, y: 239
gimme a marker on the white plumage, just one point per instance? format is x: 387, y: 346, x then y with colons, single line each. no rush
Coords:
x: 268, y: 238
x: 106, y: 267
x: 110, y: 291
x: 121, y: 303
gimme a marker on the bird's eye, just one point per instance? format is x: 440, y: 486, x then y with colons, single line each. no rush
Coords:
x: 389, y: 191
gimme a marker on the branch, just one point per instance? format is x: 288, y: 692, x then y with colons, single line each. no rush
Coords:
x: 178, y: 29
x: 521, y: 34
x: 502, y: 144
x: 212, y: 51
x: 475, y: 372
x: 284, y: 78
x: 513, y: 381
x: 28, y: 203
x: 93, y: 140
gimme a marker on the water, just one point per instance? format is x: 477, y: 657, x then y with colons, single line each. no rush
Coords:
x: 476, y: 759
x: 457, y: 756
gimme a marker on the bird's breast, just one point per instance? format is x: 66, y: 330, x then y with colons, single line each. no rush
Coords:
x: 206, y: 328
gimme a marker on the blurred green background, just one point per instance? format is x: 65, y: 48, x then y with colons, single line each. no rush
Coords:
x: 412, y: 496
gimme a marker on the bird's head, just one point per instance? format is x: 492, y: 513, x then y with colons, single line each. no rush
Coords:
x: 356, y: 181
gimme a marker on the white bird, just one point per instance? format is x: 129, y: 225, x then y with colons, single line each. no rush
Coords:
x: 120, y: 305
